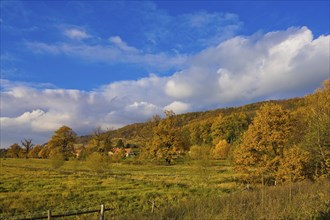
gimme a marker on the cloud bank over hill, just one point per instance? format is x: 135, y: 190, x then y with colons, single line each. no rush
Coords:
x: 240, y: 70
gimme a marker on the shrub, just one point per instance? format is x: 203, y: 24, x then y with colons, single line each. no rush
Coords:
x: 56, y: 158
x: 221, y: 150
x: 98, y: 162
x: 199, y: 152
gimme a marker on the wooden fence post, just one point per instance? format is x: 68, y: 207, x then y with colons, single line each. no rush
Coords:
x: 102, y: 212
x: 152, y: 206
x: 49, y: 214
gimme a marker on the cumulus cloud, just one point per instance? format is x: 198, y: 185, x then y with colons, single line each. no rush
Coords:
x: 280, y: 64
x: 239, y: 70
x: 178, y: 107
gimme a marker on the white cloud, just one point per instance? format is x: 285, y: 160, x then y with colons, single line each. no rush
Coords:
x: 245, y: 68
x: 122, y: 45
x: 117, y: 52
x: 178, y: 107
x: 76, y: 34
x: 237, y: 71
x: 163, y: 44
x: 26, y: 117
x: 179, y: 89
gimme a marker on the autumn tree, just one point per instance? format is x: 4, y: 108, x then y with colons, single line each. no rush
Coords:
x: 221, y: 150
x: 299, y: 118
x: 27, y: 144
x: 155, y: 119
x: 229, y: 127
x: 264, y: 143
x: 94, y: 144
x: 168, y: 139
x: 317, y: 138
x: 195, y: 134
x: 143, y: 136
x: 100, y: 141
x: 292, y: 165
x: 34, y: 152
x: 62, y: 141
x: 44, y: 152
x: 200, y: 133
x: 14, y: 151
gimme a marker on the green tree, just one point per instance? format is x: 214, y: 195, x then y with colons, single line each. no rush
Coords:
x: 62, y: 141
x: 264, y: 142
x: 27, y: 144
x: 120, y: 143
x: 3, y: 153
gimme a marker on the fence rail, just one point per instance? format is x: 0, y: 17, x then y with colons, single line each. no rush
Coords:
x: 51, y: 216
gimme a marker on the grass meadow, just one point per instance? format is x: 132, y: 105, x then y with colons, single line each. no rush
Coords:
x: 189, y: 190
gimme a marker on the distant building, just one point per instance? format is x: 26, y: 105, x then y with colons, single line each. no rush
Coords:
x: 127, y: 152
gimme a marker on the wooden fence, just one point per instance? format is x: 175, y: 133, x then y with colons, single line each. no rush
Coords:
x: 51, y: 216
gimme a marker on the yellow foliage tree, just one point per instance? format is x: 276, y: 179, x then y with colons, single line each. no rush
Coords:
x: 33, y: 153
x: 292, y: 165
x: 14, y: 151
x: 221, y: 150
x: 168, y: 139
x: 317, y: 139
x: 63, y: 140
x: 100, y: 142
x: 264, y: 142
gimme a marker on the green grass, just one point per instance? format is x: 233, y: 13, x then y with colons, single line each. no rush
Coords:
x: 31, y: 187
x: 190, y: 190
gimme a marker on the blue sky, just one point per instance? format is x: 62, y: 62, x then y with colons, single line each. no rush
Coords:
x: 106, y: 63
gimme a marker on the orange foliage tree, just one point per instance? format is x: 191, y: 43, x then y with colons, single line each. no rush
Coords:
x: 264, y: 143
